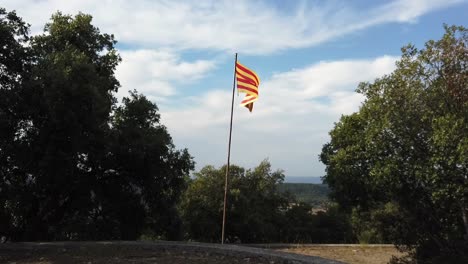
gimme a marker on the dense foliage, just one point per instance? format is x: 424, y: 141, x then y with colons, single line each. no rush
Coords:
x: 401, y: 162
x: 73, y: 164
x: 254, y: 206
x: 257, y: 210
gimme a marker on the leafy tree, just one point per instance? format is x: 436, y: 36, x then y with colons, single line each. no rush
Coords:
x: 69, y: 93
x: 254, y: 204
x: 257, y: 210
x: 146, y: 174
x: 73, y: 164
x: 302, y: 226
x: 14, y: 60
x: 13, y: 53
x: 403, y: 157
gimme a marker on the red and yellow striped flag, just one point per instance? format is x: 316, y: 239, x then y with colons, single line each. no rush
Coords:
x: 247, y: 82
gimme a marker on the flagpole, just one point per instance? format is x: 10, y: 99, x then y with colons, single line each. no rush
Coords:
x: 229, y: 153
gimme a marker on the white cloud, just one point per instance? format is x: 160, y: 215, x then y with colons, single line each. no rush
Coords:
x: 253, y: 27
x: 296, y: 109
x: 155, y: 73
x: 290, y: 122
x: 326, y: 77
x: 409, y: 11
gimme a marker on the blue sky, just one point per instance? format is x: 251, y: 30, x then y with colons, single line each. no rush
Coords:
x: 310, y: 56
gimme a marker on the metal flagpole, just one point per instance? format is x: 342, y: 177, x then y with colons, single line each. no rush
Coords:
x: 229, y: 152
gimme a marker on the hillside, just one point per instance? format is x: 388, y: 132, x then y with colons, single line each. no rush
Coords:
x: 314, y: 194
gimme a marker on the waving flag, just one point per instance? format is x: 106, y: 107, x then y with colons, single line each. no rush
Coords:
x: 247, y: 82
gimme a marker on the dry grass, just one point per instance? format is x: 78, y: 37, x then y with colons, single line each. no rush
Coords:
x: 350, y: 254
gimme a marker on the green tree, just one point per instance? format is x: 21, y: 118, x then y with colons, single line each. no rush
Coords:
x: 303, y: 226
x: 73, y: 164
x: 254, y: 212
x: 146, y: 175
x: 14, y: 61
x: 257, y: 211
x: 13, y: 53
x: 69, y: 95
x: 404, y: 155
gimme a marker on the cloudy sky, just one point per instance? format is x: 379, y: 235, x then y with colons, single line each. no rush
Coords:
x: 310, y: 56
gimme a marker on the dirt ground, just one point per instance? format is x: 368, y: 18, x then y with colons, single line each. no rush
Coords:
x: 350, y: 254
x: 140, y: 259
x: 91, y: 253
x: 132, y: 256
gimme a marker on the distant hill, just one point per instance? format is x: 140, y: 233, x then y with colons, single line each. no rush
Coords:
x: 314, y: 194
x: 303, y: 179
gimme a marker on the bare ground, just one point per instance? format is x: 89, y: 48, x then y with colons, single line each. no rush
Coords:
x: 121, y: 255
x: 133, y: 257
x: 350, y: 254
x: 144, y: 252
x: 178, y: 253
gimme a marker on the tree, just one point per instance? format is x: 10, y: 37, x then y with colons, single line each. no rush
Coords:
x: 14, y: 60
x: 257, y: 211
x: 254, y: 204
x: 73, y: 164
x: 404, y: 155
x: 303, y: 226
x: 69, y: 93
x: 146, y: 174
x: 13, y: 53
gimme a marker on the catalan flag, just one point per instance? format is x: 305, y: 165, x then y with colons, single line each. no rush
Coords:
x: 247, y: 82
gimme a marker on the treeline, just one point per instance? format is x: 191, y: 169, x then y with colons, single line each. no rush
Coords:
x: 309, y: 193
x: 257, y: 211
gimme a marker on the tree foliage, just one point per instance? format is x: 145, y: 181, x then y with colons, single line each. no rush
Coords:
x: 149, y: 172
x: 257, y: 211
x: 73, y: 164
x: 254, y: 205
x: 13, y: 62
x: 404, y: 156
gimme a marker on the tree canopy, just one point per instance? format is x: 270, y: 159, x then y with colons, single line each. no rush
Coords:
x: 257, y: 211
x: 404, y: 155
x: 253, y: 204
x: 73, y: 163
